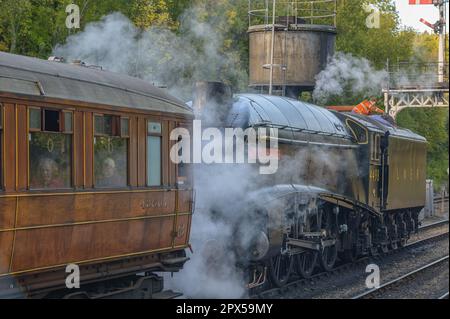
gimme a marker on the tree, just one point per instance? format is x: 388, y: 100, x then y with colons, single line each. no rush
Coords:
x: 147, y: 13
x: 375, y: 44
x: 15, y: 16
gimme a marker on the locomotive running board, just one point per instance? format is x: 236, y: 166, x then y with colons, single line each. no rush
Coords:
x: 318, y: 246
x: 348, y: 203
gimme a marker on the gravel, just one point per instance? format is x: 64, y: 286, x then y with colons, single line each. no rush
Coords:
x: 428, y: 284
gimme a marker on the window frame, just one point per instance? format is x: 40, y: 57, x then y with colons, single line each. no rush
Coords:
x: 161, y: 136
x: 63, y: 121
x: 348, y: 121
x: 116, y: 132
x: 30, y: 130
x: 29, y: 118
x: 121, y: 128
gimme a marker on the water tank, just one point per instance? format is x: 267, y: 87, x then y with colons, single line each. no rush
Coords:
x: 300, y: 53
x: 302, y: 43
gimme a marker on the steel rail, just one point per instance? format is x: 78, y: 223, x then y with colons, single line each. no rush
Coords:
x: 444, y: 296
x: 433, y: 225
x: 393, y: 283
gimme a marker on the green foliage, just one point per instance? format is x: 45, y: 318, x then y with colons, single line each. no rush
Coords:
x: 375, y: 44
x: 432, y: 124
x: 147, y: 13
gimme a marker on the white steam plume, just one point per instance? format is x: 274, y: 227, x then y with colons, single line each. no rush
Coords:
x: 158, y: 55
x: 345, y: 73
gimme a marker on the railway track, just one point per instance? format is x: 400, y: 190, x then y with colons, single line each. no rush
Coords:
x: 434, y: 225
x: 301, y: 283
x: 444, y: 296
x: 393, y: 284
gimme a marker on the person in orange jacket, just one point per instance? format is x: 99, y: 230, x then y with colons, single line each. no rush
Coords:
x: 367, y: 107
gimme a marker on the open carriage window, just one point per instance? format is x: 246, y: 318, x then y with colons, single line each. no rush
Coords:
x: 111, y: 151
x: 50, y: 149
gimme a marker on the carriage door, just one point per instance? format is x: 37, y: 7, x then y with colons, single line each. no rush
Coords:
x: 375, y: 171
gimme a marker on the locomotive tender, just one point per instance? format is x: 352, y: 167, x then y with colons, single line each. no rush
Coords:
x: 347, y: 185
x: 86, y: 178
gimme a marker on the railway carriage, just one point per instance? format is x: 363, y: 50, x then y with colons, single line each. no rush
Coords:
x: 86, y: 177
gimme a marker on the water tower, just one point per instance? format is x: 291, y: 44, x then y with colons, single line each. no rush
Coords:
x: 290, y: 43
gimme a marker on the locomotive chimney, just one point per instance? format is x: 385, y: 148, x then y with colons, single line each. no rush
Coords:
x: 212, y: 102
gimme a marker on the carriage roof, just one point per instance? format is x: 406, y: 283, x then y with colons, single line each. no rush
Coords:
x: 46, y: 79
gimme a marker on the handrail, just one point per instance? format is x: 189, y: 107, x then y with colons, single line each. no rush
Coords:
x: 321, y: 12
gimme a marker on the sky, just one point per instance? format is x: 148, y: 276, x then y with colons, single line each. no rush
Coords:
x: 410, y: 14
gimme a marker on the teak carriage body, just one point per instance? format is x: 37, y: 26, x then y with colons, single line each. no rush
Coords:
x: 86, y: 176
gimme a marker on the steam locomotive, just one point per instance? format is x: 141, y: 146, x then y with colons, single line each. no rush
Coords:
x: 347, y: 185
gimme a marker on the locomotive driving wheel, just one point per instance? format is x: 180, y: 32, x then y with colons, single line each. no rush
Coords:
x: 280, y: 269
x: 328, y: 257
x: 306, y: 262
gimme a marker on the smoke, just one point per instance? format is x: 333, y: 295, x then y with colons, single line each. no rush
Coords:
x: 212, y: 271
x: 346, y: 74
x: 158, y: 55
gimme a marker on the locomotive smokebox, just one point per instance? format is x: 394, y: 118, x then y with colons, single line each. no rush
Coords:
x: 212, y: 102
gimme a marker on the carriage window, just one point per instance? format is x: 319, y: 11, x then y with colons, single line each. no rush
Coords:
x: 35, y: 119
x: 110, y: 151
x: 183, y: 177
x: 359, y: 132
x: 154, y: 141
x: 50, y: 151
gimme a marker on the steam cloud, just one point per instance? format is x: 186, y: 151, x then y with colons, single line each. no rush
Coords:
x: 157, y: 55
x: 345, y: 73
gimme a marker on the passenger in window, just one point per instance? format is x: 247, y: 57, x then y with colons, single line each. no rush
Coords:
x: 110, y: 176
x: 49, y: 175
